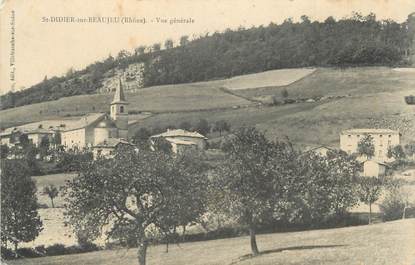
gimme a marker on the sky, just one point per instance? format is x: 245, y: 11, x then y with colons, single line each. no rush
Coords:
x: 44, y: 48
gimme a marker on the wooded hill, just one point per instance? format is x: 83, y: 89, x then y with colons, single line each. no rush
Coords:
x: 355, y: 41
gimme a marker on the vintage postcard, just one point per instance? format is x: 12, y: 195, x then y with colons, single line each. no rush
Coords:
x: 207, y: 132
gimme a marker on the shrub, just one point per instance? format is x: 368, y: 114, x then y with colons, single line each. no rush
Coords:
x: 7, y: 253
x: 56, y: 249
x: 71, y: 161
x: 392, y: 208
x: 393, y: 205
x: 27, y: 253
x: 40, y: 250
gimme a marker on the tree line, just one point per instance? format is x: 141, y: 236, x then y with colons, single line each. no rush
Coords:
x: 354, y: 41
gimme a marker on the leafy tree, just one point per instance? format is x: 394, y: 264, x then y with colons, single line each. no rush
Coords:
x: 369, y: 191
x: 396, y: 152
x: 325, y: 185
x: 139, y: 197
x: 123, y: 54
x: 141, y: 136
x: 221, y: 126
x: 255, y: 179
x: 52, y: 193
x: 184, y: 40
x: 162, y: 145
x: 185, y: 126
x: 394, y: 204
x: 140, y: 50
x: 44, y: 146
x: 410, y: 148
x: 203, y: 127
x: 29, y: 155
x: 168, y: 44
x: 366, y: 146
x: 24, y: 140
x: 20, y: 221
x: 72, y: 161
x: 4, y: 151
x: 156, y: 47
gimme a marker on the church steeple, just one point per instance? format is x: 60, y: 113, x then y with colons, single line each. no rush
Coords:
x: 119, y: 94
x: 119, y: 111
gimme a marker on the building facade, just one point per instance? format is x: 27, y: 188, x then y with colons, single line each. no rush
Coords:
x: 373, y: 168
x: 182, y: 140
x: 96, y: 128
x: 383, y: 139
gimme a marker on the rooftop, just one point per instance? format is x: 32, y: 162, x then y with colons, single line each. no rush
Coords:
x: 119, y: 95
x: 179, y: 132
x: 180, y: 142
x: 369, y: 131
x: 65, y: 124
x: 112, y: 142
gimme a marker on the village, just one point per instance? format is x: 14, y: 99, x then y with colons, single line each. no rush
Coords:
x: 235, y: 133
x: 102, y: 134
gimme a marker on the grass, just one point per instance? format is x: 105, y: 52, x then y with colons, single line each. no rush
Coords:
x: 281, y: 77
x: 375, y: 245
x: 172, y: 98
x: 57, y: 180
x: 370, y: 97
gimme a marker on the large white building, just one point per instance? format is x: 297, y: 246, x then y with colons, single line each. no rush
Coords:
x: 382, y: 140
x: 181, y: 140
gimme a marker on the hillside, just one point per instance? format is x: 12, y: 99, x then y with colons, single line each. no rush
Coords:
x: 345, y: 98
x: 351, y: 41
x: 374, y: 244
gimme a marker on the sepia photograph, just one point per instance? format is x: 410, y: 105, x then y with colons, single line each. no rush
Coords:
x: 207, y: 132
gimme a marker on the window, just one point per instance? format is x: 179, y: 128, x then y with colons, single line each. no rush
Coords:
x: 122, y: 109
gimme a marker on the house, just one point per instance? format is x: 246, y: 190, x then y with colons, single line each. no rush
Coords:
x: 181, y: 139
x: 319, y: 150
x: 373, y: 168
x: 382, y: 140
x: 11, y: 136
x: 108, y: 147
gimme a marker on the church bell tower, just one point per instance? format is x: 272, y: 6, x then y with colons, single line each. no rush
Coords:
x: 119, y: 112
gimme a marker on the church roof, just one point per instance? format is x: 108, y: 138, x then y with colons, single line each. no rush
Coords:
x: 64, y: 124
x: 119, y: 96
x: 106, y: 123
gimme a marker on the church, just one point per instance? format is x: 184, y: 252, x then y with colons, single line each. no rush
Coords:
x: 100, y: 131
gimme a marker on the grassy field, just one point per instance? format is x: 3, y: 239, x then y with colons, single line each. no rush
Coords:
x: 57, y: 180
x: 276, y: 78
x: 363, y: 245
x: 366, y: 97
x: 172, y: 98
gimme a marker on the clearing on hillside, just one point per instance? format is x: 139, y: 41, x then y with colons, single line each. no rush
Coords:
x: 280, y: 77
